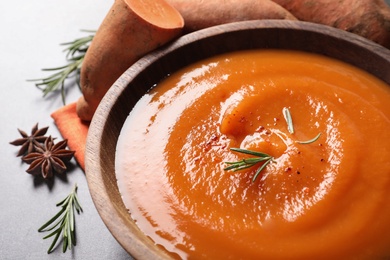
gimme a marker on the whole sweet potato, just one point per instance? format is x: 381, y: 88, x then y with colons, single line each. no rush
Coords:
x: 367, y: 18
x: 200, y: 14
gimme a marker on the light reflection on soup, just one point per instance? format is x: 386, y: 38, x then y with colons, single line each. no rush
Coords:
x: 328, y: 199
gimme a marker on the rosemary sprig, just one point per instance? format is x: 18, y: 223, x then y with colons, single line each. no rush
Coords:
x: 75, y: 53
x: 249, y: 162
x: 63, y: 222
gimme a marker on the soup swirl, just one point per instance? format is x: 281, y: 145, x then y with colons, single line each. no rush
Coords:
x: 318, y: 198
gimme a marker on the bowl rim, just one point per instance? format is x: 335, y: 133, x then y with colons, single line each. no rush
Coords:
x: 95, y: 177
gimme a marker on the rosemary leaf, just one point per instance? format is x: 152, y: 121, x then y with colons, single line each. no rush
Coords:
x: 64, y: 201
x: 250, y: 152
x: 53, y: 69
x: 238, y: 166
x: 255, y: 160
x: 64, y: 245
x: 51, y: 220
x: 71, y: 220
x: 57, y: 231
x: 260, y: 169
x: 77, y: 204
x: 54, y: 242
x: 288, y: 118
x: 310, y: 141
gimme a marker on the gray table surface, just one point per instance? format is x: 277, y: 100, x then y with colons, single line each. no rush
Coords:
x: 31, y: 32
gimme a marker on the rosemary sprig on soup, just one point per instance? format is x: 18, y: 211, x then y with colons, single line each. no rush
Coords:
x: 249, y: 162
x: 262, y: 157
x: 288, y: 118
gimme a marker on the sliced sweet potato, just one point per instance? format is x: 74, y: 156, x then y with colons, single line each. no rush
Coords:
x: 199, y: 14
x: 131, y: 29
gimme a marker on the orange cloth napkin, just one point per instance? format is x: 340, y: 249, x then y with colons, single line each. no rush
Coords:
x: 72, y: 128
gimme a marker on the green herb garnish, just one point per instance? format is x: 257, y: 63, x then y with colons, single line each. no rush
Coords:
x: 249, y: 162
x: 310, y: 141
x: 263, y: 157
x: 64, y: 222
x: 288, y: 118
x: 75, y: 53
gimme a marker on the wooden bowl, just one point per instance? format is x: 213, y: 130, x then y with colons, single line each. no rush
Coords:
x: 122, y: 96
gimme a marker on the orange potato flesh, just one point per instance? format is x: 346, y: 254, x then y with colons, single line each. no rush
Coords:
x: 158, y: 13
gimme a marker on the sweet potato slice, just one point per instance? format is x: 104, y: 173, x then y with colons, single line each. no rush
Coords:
x: 367, y: 18
x: 202, y: 14
x: 131, y: 29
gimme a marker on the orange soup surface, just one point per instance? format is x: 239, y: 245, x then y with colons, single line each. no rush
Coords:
x: 324, y: 198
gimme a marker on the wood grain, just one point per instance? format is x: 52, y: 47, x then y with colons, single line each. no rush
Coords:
x: 122, y: 96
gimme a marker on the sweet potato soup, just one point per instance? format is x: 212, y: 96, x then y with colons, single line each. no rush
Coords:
x: 316, y: 187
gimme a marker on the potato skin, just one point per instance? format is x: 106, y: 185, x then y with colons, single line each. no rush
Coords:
x: 367, y: 18
x: 200, y: 14
x: 122, y: 38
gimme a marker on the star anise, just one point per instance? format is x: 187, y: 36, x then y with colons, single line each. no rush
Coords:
x: 49, y: 158
x: 29, y: 143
